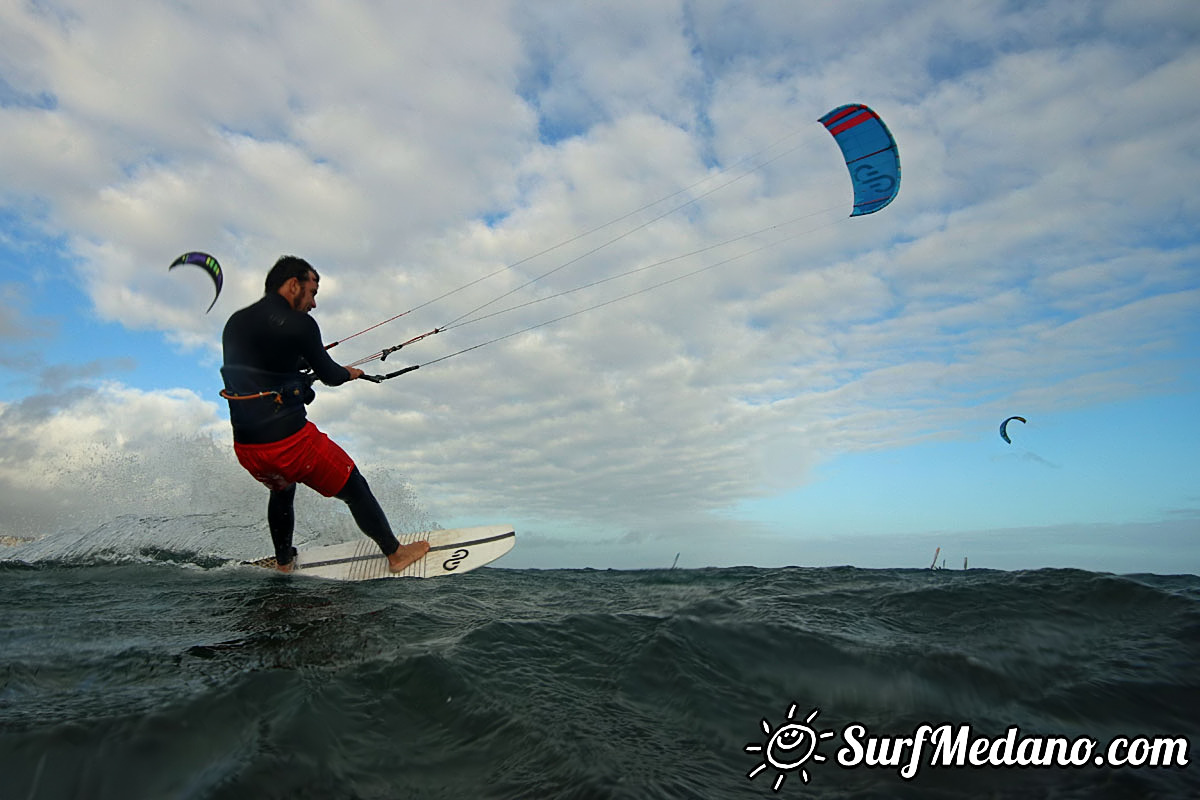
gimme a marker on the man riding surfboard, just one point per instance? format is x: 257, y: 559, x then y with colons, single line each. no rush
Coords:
x: 269, y: 346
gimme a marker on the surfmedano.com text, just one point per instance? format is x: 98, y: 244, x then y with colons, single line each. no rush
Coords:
x: 956, y: 746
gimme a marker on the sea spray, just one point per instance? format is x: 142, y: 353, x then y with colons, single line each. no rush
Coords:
x: 185, y: 498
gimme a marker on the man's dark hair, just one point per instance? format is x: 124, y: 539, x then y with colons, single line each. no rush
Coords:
x: 286, y: 268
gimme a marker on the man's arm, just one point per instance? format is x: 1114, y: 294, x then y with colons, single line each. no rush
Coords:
x: 325, y: 368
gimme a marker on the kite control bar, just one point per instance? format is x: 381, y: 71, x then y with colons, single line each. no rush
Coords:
x: 382, y: 378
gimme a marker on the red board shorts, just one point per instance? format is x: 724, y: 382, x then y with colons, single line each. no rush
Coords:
x: 307, y: 456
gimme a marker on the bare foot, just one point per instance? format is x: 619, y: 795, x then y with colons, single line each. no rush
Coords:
x: 289, y: 566
x: 407, y: 554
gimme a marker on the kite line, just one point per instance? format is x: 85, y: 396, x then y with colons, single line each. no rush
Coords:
x: 871, y: 157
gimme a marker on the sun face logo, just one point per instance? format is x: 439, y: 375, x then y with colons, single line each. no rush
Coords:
x: 787, y: 748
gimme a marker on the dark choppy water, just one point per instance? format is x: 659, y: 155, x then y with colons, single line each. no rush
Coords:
x: 166, y: 675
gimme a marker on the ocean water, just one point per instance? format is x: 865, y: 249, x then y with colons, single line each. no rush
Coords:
x: 138, y: 670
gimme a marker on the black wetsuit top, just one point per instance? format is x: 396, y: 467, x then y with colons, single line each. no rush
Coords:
x: 267, y: 345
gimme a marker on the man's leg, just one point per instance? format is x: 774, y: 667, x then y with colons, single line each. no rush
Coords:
x: 373, y: 522
x: 281, y: 519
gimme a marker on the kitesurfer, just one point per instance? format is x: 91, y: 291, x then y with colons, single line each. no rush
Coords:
x: 269, y: 346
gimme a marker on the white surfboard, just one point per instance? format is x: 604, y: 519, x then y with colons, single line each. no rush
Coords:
x: 450, y: 553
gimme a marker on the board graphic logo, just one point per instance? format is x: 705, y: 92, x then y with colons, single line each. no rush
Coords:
x: 456, y: 558
x: 788, y: 747
x: 874, y: 179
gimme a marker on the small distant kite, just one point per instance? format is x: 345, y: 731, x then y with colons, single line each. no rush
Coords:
x: 871, y: 155
x: 208, y: 264
x: 1004, y: 428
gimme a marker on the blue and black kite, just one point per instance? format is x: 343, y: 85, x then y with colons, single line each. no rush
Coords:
x: 1004, y: 428
x: 871, y: 155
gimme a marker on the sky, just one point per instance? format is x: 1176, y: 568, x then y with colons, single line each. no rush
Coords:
x: 803, y: 388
